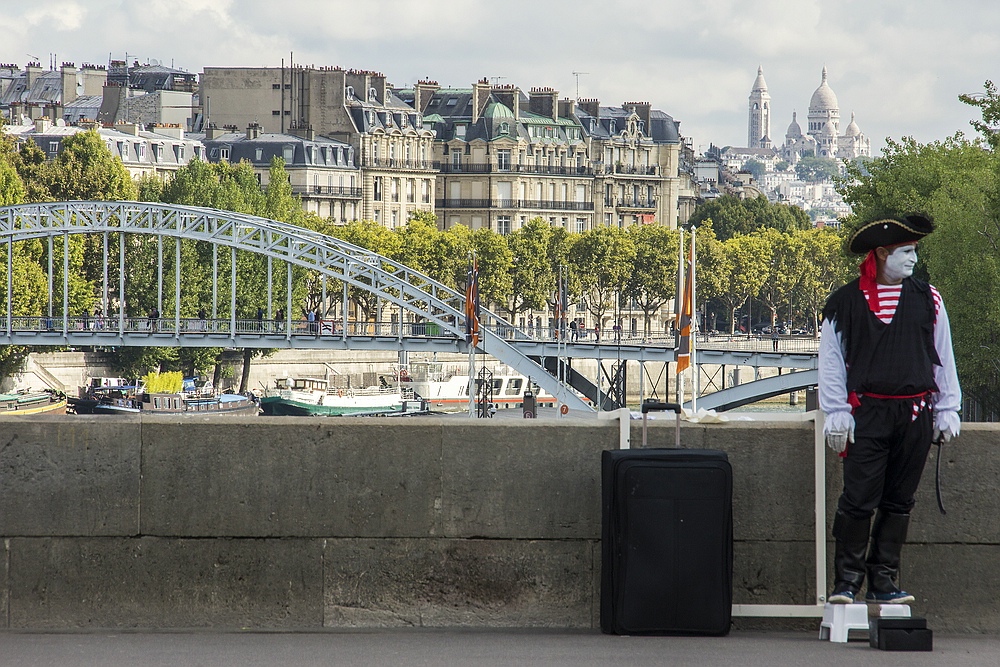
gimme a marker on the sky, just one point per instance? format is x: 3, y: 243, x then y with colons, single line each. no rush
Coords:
x: 898, y: 65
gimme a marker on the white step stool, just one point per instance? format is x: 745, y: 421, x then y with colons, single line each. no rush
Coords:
x: 840, y: 619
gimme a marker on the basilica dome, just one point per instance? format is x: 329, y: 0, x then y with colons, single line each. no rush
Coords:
x: 852, y: 130
x: 823, y: 99
x: 794, y: 131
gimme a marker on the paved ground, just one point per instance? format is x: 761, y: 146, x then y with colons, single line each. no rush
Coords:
x: 471, y: 648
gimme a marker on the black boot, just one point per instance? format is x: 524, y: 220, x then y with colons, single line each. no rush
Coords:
x: 888, y: 537
x: 849, y: 557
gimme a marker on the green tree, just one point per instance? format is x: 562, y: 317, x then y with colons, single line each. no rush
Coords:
x: 817, y: 169
x: 531, y: 270
x: 755, y: 168
x: 747, y: 265
x: 652, y: 282
x: 825, y: 267
x: 602, y: 260
x: 731, y: 215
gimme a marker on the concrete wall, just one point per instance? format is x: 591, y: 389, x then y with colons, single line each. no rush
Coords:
x: 306, y: 523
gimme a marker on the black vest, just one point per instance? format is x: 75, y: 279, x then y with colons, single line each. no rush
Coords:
x: 895, y: 359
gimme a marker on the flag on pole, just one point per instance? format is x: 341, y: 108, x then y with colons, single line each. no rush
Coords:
x: 472, y: 302
x: 684, y: 318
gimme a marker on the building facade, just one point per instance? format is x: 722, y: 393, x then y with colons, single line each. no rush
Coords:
x: 323, y: 172
x: 358, y: 108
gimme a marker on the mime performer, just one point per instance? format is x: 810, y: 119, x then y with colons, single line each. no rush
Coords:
x: 888, y: 388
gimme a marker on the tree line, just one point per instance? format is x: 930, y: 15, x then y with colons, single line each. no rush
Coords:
x: 747, y: 249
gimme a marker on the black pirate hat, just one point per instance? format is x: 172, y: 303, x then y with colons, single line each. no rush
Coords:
x: 889, y: 232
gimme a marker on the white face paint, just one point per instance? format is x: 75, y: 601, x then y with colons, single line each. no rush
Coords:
x: 900, y: 262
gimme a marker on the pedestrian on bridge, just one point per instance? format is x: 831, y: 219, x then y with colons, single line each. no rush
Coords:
x: 888, y: 386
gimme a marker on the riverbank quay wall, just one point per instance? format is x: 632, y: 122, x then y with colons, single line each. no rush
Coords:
x: 290, y: 523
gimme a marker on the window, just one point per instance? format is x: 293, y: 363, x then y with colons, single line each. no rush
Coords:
x: 456, y: 159
x: 410, y: 197
x: 224, y: 154
x: 288, y: 153
x: 395, y: 217
x: 275, y: 112
x: 460, y: 131
x: 53, y: 146
x: 377, y: 194
x: 349, y: 91
x: 124, y: 146
x: 395, y: 189
x: 581, y: 225
x: 452, y: 101
x: 372, y: 95
x: 503, y: 224
x: 179, y: 151
x: 275, y: 86
x: 514, y: 386
x: 259, y: 154
x: 425, y: 195
x: 504, y: 127
x: 503, y: 160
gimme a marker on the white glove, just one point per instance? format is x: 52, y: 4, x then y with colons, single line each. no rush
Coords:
x: 839, y: 430
x: 947, y: 425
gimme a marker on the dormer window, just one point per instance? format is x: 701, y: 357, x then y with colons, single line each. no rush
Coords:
x: 349, y: 91
x: 259, y: 154
x: 224, y: 153
x: 504, y: 127
x: 460, y: 132
x: 372, y: 95
x: 402, y: 120
x: 371, y: 117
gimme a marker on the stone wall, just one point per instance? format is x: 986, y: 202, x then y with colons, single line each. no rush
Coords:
x: 284, y: 523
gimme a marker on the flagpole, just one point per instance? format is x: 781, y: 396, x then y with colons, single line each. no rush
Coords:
x: 694, y: 328
x: 678, y: 306
x: 470, y: 327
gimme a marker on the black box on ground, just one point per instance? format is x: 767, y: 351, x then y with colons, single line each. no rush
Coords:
x: 666, y: 542
x: 900, y: 634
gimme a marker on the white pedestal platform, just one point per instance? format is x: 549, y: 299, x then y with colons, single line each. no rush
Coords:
x: 840, y: 619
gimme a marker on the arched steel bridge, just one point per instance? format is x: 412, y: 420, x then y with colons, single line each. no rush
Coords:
x: 439, y: 308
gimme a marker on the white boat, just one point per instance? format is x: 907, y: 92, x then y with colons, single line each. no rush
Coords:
x: 314, y: 396
x: 445, y: 386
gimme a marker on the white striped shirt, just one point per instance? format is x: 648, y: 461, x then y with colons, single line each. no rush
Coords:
x: 888, y: 299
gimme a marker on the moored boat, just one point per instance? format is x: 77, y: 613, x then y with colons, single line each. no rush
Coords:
x: 113, y: 397
x: 445, y: 387
x: 301, y: 396
x: 33, y: 403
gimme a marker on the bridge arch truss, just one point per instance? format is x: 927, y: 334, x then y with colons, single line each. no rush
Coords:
x: 331, y: 258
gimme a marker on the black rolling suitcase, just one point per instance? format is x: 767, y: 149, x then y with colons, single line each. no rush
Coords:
x: 666, y: 540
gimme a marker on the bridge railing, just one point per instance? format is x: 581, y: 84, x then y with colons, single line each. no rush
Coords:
x: 224, y: 326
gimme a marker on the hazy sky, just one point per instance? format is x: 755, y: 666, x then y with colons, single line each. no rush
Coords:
x: 899, y: 65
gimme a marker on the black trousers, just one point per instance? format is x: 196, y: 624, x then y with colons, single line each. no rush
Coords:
x: 883, y: 465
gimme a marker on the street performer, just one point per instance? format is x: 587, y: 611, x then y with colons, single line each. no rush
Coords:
x: 888, y: 387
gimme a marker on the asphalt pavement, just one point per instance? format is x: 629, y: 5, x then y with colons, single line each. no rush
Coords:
x: 466, y: 648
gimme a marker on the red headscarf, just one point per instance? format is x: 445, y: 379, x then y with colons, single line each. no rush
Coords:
x: 868, y: 282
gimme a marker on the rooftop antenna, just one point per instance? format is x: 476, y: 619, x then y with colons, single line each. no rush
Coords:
x: 577, y: 75
x: 495, y: 80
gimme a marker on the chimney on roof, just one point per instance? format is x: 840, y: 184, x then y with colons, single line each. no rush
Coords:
x: 69, y: 83
x: 422, y: 94
x: 480, y: 97
x: 42, y: 124
x: 567, y: 108
x: 510, y: 97
x: 592, y: 106
x: 253, y: 131
x: 642, y: 110
x: 544, y: 102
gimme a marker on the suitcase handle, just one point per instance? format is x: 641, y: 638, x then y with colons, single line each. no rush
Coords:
x: 650, y: 405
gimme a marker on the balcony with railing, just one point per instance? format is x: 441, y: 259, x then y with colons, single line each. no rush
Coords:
x: 533, y: 204
x: 398, y: 163
x: 490, y: 168
x: 627, y: 169
x: 326, y: 191
x: 630, y: 203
